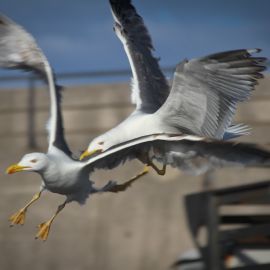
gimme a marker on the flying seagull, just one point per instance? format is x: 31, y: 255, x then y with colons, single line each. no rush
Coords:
x: 60, y: 173
x: 201, y: 102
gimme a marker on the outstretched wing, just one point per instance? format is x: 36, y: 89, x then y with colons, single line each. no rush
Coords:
x: 149, y: 86
x: 206, y: 91
x: 201, y: 156
x: 18, y: 50
x: 131, y: 149
x: 189, y: 153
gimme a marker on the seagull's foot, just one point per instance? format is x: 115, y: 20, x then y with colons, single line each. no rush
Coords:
x: 159, y: 171
x: 162, y: 171
x: 44, y: 229
x: 145, y: 171
x: 122, y: 187
x: 18, y: 217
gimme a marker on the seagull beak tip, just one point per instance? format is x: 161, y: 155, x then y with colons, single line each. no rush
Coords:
x: 11, y: 169
x: 87, y: 153
x: 84, y: 154
x: 14, y: 168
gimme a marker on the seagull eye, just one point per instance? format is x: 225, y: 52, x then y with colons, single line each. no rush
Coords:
x: 33, y: 160
x: 100, y: 143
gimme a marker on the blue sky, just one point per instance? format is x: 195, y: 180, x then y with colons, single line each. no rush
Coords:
x: 78, y: 36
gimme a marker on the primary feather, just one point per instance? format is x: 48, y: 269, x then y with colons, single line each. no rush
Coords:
x: 206, y: 91
x: 149, y: 85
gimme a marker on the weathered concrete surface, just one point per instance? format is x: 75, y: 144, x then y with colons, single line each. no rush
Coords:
x: 143, y: 228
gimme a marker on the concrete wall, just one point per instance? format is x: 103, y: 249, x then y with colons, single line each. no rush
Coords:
x: 143, y: 228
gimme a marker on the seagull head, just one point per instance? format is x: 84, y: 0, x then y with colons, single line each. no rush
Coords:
x: 96, y: 146
x: 30, y: 162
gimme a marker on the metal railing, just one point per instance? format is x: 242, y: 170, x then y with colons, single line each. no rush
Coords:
x: 80, y: 75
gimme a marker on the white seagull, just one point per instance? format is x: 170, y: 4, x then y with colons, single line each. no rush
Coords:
x: 60, y: 173
x: 202, y: 100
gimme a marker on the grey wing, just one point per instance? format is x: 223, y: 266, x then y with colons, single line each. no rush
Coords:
x: 129, y: 150
x: 197, y: 157
x: 18, y: 50
x: 149, y: 87
x: 190, y: 154
x: 206, y: 91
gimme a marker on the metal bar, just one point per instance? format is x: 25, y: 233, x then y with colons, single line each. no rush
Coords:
x: 245, y: 219
x: 234, y: 190
x: 263, y: 229
x: 90, y: 74
x: 31, y: 114
x: 79, y: 75
x: 83, y: 107
x: 253, y: 246
x: 213, y: 261
x: 247, y: 197
x: 253, y: 267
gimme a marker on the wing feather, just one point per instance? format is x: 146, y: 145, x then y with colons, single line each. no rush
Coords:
x: 206, y: 91
x: 189, y: 153
x: 120, y: 153
x: 201, y: 156
x: 149, y: 85
x: 19, y: 50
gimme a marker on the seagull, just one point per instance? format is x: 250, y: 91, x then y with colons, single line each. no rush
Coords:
x: 201, y: 102
x: 60, y: 172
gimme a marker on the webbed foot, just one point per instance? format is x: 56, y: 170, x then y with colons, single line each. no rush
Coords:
x: 18, y: 217
x: 44, y: 229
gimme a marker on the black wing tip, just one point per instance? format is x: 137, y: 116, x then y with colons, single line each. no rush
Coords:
x: 258, y: 75
x: 118, y: 5
x: 243, y: 51
x: 233, y: 54
x: 131, y: 23
x: 245, y: 55
x: 120, y: 2
x: 259, y: 60
x: 255, y: 50
x: 4, y: 20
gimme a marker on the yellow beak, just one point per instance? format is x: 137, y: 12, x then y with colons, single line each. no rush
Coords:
x: 15, y: 168
x: 87, y: 153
